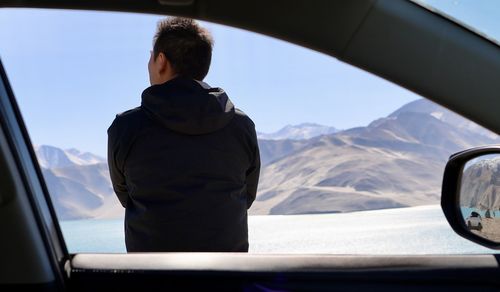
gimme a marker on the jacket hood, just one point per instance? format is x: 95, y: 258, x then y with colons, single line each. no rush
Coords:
x: 188, y: 106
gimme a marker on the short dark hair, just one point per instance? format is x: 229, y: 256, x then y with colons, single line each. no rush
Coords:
x: 186, y: 45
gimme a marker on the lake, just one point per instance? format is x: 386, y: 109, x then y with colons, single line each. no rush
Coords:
x: 402, y: 231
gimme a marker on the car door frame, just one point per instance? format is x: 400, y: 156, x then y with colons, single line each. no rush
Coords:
x: 35, y: 252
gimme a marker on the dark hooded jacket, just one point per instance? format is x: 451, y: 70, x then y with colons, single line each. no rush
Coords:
x: 185, y: 165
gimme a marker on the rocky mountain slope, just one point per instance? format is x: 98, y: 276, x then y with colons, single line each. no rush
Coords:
x: 78, y: 182
x: 393, y: 162
x: 481, y: 184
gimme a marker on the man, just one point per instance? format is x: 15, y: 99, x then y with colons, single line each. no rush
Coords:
x: 185, y: 164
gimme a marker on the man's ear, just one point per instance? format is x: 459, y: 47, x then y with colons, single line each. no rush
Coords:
x: 165, y: 65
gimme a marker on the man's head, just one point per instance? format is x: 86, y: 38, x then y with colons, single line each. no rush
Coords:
x: 180, y: 48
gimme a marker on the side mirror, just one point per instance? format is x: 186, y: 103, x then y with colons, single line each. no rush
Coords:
x: 470, y: 196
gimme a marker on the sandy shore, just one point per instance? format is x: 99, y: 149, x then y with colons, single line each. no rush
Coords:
x: 491, y: 229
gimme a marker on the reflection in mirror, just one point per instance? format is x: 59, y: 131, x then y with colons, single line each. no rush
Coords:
x: 480, y: 196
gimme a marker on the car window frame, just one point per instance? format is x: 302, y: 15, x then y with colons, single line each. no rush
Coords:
x: 25, y: 156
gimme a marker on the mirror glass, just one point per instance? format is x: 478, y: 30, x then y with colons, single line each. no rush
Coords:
x: 480, y: 196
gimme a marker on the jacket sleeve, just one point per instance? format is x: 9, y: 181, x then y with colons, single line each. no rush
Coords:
x: 252, y: 174
x: 115, y: 166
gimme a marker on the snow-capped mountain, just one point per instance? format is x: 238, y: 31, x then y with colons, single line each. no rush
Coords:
x: 84, y: 158
x: 298, y: 132
x: 53, y: 157
x: 427, y: 107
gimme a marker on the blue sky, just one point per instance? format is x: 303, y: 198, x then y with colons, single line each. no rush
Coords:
x: 73, y: 71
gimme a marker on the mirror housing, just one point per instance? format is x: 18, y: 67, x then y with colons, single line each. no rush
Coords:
x: 456, y: 183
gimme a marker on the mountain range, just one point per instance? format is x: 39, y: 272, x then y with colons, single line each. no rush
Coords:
x: 480, y: 184
x: 395, y: 161
x: 298, y: 132
x: 78, y: 182
x: 53, y: 157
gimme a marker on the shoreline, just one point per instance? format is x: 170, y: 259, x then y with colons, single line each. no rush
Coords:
x: 386, y: 210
